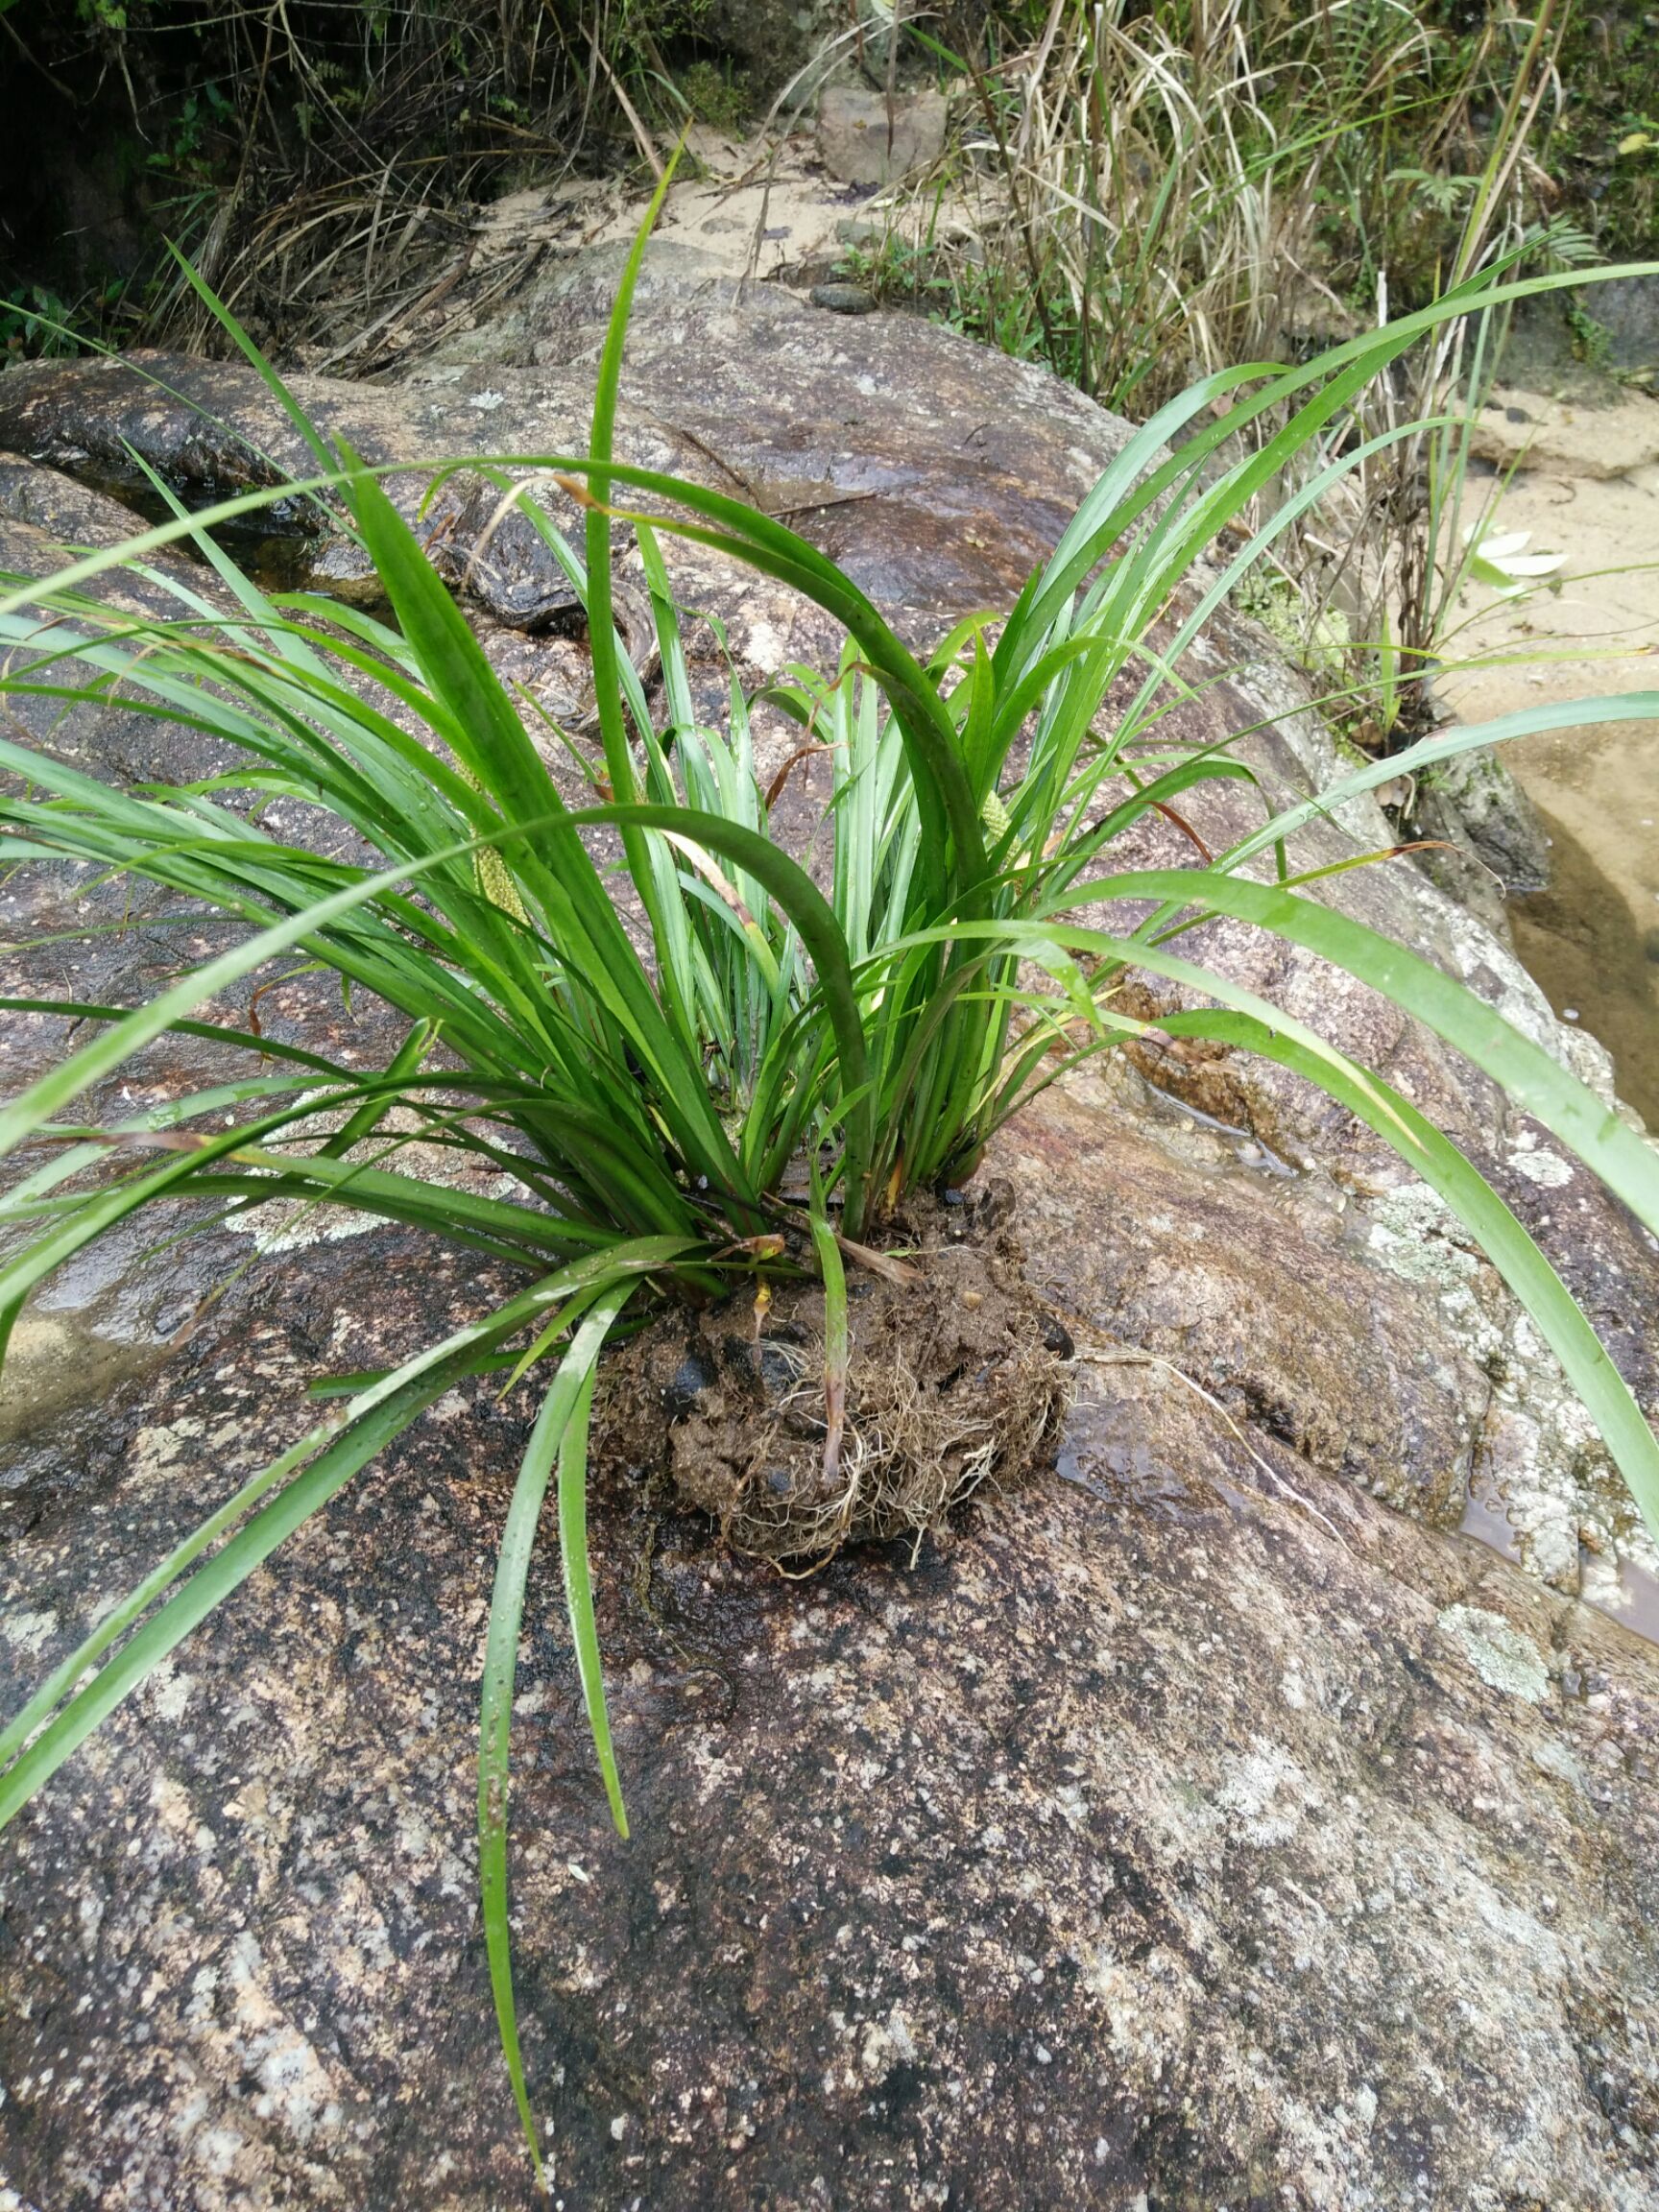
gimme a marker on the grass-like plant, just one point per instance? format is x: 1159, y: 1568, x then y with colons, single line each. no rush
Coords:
x: 651, y: 1092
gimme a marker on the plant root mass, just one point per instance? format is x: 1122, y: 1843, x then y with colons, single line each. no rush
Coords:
x: 957, y: 1383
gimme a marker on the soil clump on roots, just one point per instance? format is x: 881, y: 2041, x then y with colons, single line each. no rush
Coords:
x: 956, y: 1384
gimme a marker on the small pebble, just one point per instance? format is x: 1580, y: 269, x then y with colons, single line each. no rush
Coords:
x: 1057, y: 1336
x: 842, y: 298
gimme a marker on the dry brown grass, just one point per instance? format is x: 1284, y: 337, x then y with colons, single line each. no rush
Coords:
x: 1147, y: 196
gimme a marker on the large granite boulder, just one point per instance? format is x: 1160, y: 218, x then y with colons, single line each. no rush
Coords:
x: 1191, y: 1830
x: 1212, y: 1825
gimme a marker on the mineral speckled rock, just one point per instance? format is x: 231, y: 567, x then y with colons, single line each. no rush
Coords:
x: 1166, y: 1836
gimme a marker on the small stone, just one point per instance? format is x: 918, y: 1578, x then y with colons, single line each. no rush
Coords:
x: 778, y: 1368
x: 1057, y: 1336
x: 694, y: 1375
x: 842, y: 298
x: 865, y: 139
x: 997, y: 1203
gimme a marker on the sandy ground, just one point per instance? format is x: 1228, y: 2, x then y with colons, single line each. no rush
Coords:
x: 756, y: 206
x: 1593, y: 940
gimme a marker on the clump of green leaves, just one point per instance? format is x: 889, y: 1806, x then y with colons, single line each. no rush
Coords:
x: 35, y: 320
x: 650, y: 1092
x: 722, y: 98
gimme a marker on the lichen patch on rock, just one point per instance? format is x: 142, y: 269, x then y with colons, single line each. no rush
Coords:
x: 1499, y: 1655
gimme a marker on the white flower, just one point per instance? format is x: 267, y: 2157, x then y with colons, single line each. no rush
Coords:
x: 1504, y: 564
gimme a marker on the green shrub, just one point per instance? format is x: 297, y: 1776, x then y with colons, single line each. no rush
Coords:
x: 720, y: 96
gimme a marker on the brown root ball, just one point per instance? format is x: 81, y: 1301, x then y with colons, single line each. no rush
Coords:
x: 956, y: 1384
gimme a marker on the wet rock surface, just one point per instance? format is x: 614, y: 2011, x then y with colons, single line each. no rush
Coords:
x: 1209, y: 1824
x: 933, y: 470
x: 1490, y: 845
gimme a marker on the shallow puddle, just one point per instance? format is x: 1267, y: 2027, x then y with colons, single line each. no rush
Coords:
x: 1593, y: 938
x: 1598, y: 966
x: 276, y: 559
x: 54, y: 1365
x: 1633, y: 1602
x: 1485, y: 1518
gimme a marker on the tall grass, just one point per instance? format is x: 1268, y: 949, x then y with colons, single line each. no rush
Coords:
x: 1141, y: 196
x: 1144, y: 196
x: 653, y: 1095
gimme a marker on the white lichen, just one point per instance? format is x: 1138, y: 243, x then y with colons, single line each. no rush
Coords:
x: 1499, y: 1655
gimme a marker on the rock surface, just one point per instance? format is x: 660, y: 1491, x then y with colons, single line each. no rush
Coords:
x: 1210, y: 1825
x: 1596, y: 435
x: 776, y: 41
x: 864, y: 138
x: 1191, y: 1830
x: 1627, y: 309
